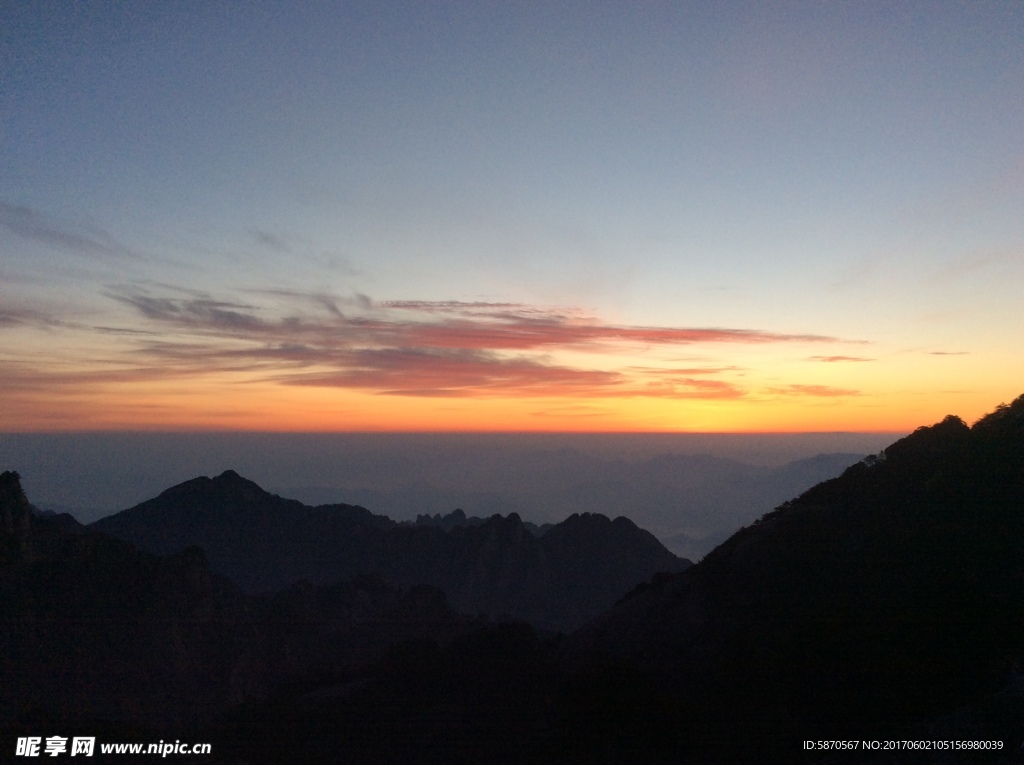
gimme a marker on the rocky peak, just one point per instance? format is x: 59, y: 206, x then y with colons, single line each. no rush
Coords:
x: 15, y: 519
x: 227, y: 485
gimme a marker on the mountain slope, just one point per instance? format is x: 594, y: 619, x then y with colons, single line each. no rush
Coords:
x: 577, y: 569
x: 92, y: 628
x: 874, y: 600
x: 261, y: 541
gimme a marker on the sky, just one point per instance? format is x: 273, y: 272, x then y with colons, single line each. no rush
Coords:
x: 482, y: 216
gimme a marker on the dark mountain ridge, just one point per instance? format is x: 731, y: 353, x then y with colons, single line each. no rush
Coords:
x: 499, y: 566
x: 92, y: 626
x: 689, y: 501
x: 873, y: 602
x: 94, y: 630
x: 458, y: 517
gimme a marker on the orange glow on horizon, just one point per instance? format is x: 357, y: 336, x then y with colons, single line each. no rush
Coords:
x: 212, y: 406
x: 748, y: 389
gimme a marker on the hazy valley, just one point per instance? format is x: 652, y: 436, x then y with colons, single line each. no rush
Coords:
x: 690, y: 491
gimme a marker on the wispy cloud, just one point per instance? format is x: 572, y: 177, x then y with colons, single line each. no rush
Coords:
x: 948, y: 353
x: 15, y: 377
x: 966, y: 265
x: 35, y: 226
x: 10, y: 318
x: 573, y: 412
x: 270, y: 241
x: 200, y: 314
x: 20, y: 316
x: 463, y: 372
x: 482, y: 326
x: 835, y: 359
x: 684, y: 371
x: 818, y: 391
x: 421, y: 348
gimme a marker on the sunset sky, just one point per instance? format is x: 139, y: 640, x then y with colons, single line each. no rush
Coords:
x: 719, y: 216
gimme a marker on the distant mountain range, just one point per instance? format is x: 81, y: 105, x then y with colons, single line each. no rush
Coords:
x: 556, y: 580
x: 691, y: 502
x: 690, y: 490
x: 884, y: 604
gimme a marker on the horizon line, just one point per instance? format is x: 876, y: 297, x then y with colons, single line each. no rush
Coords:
x: 252, y: 431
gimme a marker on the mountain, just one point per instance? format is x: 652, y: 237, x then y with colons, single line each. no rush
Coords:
x: 557, y: 580
x: 544, y: 477
x: 872, y: 603
x: 261, y: 541
x: 93, y: 629
x: 691, y: 502
x: 885, y: 604
x: 458, y: 518
x: 89, y: 625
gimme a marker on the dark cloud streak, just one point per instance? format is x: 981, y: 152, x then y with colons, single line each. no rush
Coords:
x: 35, y: 226
x: 519, y: 329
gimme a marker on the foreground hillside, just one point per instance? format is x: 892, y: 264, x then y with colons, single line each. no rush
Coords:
x: 560, y: 580
x: 886, y: 604
x: 873, y: 602
x: 92, y: 628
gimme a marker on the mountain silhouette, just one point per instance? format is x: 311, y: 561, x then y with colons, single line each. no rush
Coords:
x: 91, y: 626
x: 872, y: 603
x: 93, y: 629
x: 499, y: 566
x: 691, y: 502
x: 884, y: 604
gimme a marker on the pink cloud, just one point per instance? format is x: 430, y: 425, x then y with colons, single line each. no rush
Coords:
x: 471, y: 373
x: 426, y: 348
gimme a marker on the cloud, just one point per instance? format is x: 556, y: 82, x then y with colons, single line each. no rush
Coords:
x: 481, y: 326
x: 454, y: 306
x: 963, y: 267
x: 684, y: 371
x: 20, y: 317
x: 201, y: 314
x: 475, y: 373
x: 680, y: 388
x: 821, y: 391
x: 270, y: 241
x: 834, y: 359
x: 422, y: 348
x: 35, y: 226
x: 574, y: 410
x: 300, y: 248
x: 22, y: 378
x: 10, y: 318
x: 123, y: 331
x: 948, y: 353
x: 462, y: 372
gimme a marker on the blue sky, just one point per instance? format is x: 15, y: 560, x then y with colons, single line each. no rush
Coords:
x: 848, y: 171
